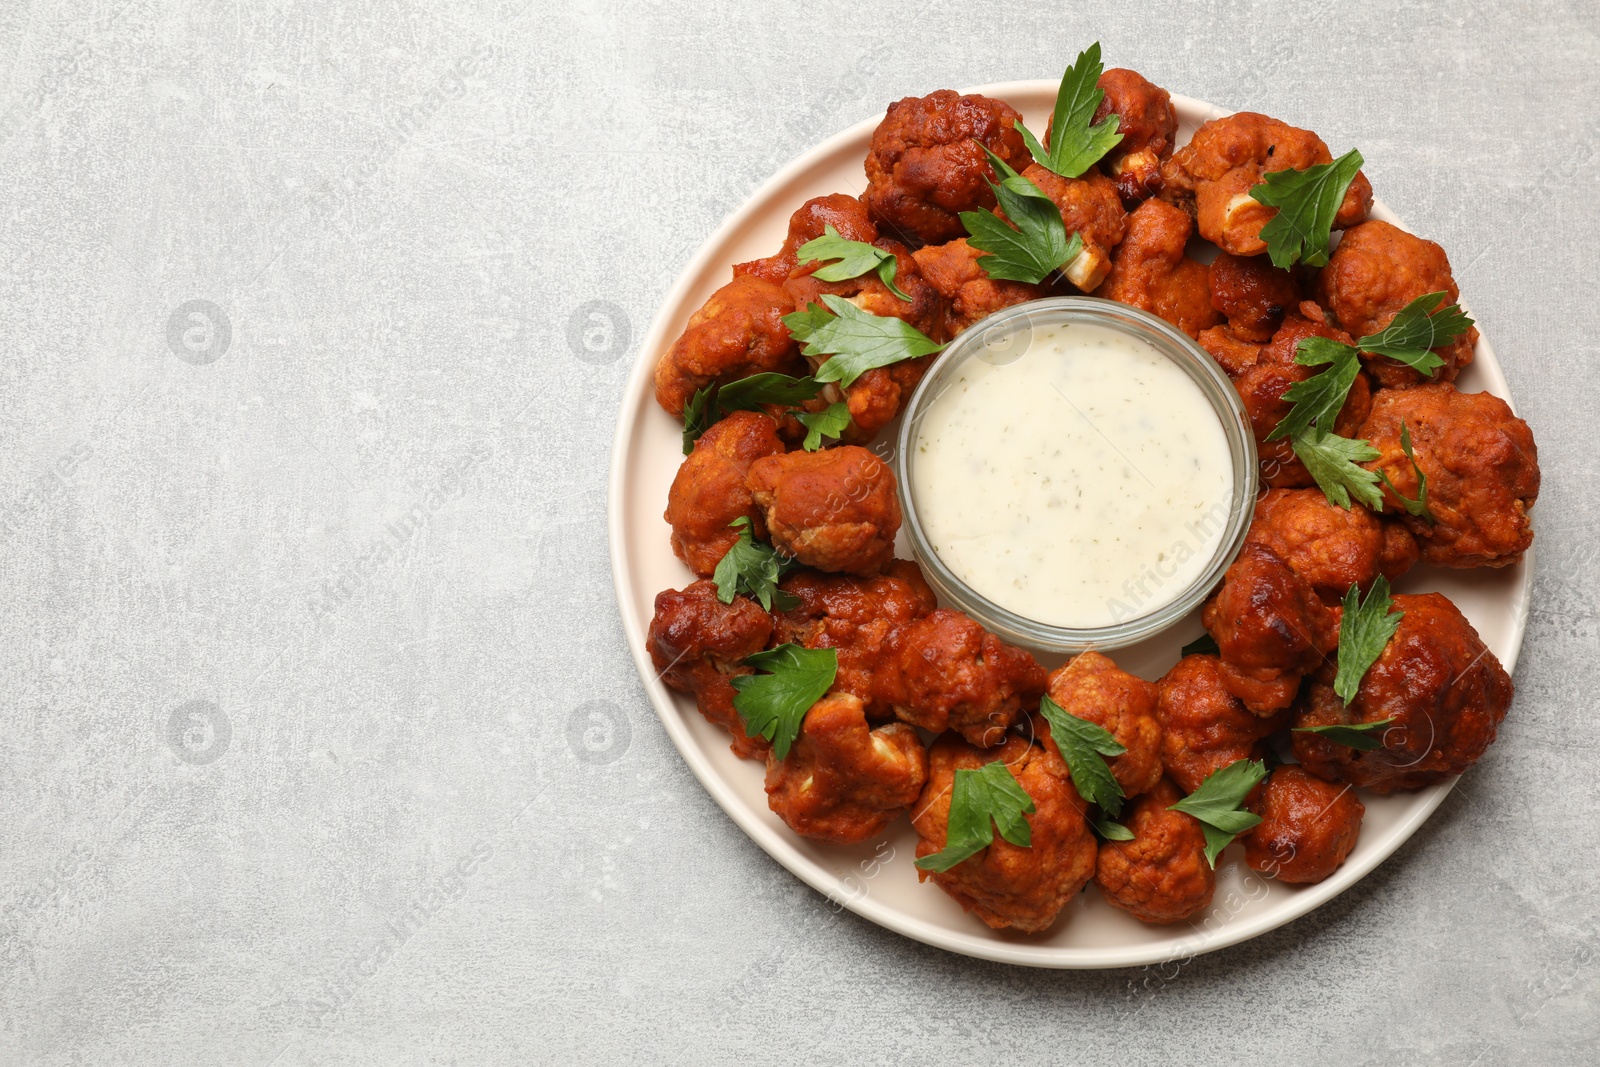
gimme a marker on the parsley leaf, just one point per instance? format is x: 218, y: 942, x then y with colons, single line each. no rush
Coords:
x: 1082, y: 745
x: 773, y: 705
x: 1415, y: 330
x: 1033, y: 243
x: 1317, y: 400
x: 1108, y: 830
x: 1332, y: 460
x: 1204, y: 645
x: 1216, y: 804
x: 978, y: 797
x: 856, y: 341
x: 853, y: 259
x: 709, y: 405
x: 831, y: 421
x: 1364, y: 631
x: 752, y: 567
x: 1419, y: 506
x: 1075, y: 146
x: 1307, y: 201
x: 1351, y: 735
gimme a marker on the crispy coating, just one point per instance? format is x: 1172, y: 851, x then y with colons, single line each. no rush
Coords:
x: 736, y: 333
x: 854, y: 616
x: 709, y: 491
x: 1377, y: 270
x: 954, y: 269
x: 1253, y: 295
x: 1482, y: 468
x: 945, y: 672
x: 1261, y: 386
x: 1150, y: 270
x: 697, y: 643
x: 845, y: 213
x: 1203, y: 726
x: 1148, y: 124
x: 1095, y: 689
x: 1308, y: 827
x: 1271, y: 627
x: 1162, y: 875
x: 1091, y: 208
x: 834, y: 510
x: 1331, y: 547
x: 841, y: 781
x: 1006, y: 885
x: 1213, y: 174
x: 1444, y: 690
x: 926, y: 167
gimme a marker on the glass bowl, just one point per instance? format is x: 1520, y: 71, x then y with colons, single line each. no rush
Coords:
x: 1003, y: 338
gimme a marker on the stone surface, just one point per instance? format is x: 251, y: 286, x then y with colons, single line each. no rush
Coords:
x: 322, y: 742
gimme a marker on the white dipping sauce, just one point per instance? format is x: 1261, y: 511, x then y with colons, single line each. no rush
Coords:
x: 1084, y: 484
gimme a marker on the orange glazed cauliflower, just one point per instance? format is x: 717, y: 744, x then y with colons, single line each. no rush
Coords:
x: 1162, y: 875
x: 955, y: 269
x: 834, y: 510
x: 1377, y: 270
x: 698, y: 643
x: 1308, y: 827
x: 1148, y: 124
x: 843, y: 782
x: 926, y: 165
x: 846, y: 214
x: 1203, y: 726
x: 1094, y: 689
x: 945, y: 672
x: 709, y: 491
x: 1213, y: 174
x: 1444, y: 691
x: 1482, y: 468
x: 736, y: 333
x: 1331, y: 547
x: 1150, y: 270
x: 1006, y: 885
x: 1090, y: 208
x: 1253, y: 294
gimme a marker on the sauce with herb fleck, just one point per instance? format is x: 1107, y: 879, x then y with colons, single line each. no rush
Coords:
x: 1085, y: 483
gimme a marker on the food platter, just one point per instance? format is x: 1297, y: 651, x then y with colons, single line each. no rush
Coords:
x: 877, y: 880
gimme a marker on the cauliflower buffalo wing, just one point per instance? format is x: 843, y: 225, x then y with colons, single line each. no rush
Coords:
x: 1377, y: 270
x: 1090, y: 208
x: 843, y: 782
x: 709, y: 491
x: 955, y: 269
x: 1162, y: 875
x: 1150, y: 270
x: 1307, y: 828
x: 925, y: 166
x: 1443, y: 691
x: 854, y: 617
x: 834, y: 510
x: 1204, y: 727
x: 1332, y: 548
x: 845, y: 213
x: 1482, y: 468
x: 1213, y: 174
x: 1254, y: 295
x: 736, y: 333
x: 1094, y: 689
x: 697, y: 643
x: 1006, y: 885
x: 1271, y: 628
x: 1148, y: 124
x: 945, y: 672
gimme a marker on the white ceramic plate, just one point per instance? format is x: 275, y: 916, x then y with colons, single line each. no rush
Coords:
x: 878, y: 880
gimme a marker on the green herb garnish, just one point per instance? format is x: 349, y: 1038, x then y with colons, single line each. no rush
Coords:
x: 1108, y: 830
x: 753, y: 567
x: 989, y: 794
x: 831, y: 421
x: 1416, y: 330
x: 852, y: 259
x: 1083, y: 746
x: 773, y: 705
x: 1364, y: 631
x: 711, y: 404
x: 856, y: 341
x: 1419, y: 506
x: 1216, y: 804
x: 1307, y: 202
x: 1332, y: 461
x: 1075, y: 146
x: 1035, y: 241
x: 1356, y: 735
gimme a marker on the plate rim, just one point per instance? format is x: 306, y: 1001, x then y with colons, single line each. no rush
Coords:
x: 635, y: 402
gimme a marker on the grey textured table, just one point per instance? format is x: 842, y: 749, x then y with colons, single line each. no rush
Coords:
x: 322, y: 743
